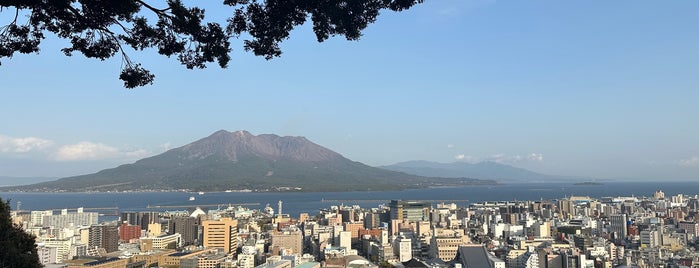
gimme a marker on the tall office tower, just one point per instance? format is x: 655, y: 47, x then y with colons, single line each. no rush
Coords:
x: 140, y: 218
x: 37, y: 217
x: 347, y: 215
x: 409, y: 210
x: 222, y: 234
x: 346, y: 240
x: 617, y: 224
x: 372, y: 220
x: 104, y: 236
x: 185, y: 226
x: 403, y: 249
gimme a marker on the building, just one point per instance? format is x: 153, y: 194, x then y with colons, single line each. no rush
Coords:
x: 188, y: 227
x: 104, y: 236
x: 345, y: 240
x: 403, y: 249
x: 412, y: 211
x: 174, y: 259
x: 617, y: 224
x: 203, y: 261
x: 106, y: 263
x: 47, y: 255
x: 445, y: 248
x: 161, y: 242
x: 221, y: 234
x: 70, y: 220
x: 475, y: 256
x: 289, y: 240
x: 128, y: 232
x: 140, y: 218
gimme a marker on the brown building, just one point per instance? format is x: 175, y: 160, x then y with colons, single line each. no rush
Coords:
x: 354, y: 229
x: 104, y: 236
x: 128, y: 232
x: 291, y: 240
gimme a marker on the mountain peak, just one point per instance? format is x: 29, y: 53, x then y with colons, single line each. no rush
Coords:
x: 231, y: 146
x: 240, y: 160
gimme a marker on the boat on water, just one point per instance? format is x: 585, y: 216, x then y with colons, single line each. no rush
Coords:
x: 191, y: 198
x: 201, y: 193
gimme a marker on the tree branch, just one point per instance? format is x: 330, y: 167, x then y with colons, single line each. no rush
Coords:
x: 160, y: 12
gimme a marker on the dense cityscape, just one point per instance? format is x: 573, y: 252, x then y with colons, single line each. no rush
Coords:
x: 570, y: 232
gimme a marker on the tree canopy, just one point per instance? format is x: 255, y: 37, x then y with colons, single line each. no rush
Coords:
x: 102, y: 29
x: 17, y: 247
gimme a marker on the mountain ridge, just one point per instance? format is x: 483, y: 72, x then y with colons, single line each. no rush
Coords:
x: 482, y: 170
x: 240, y: 160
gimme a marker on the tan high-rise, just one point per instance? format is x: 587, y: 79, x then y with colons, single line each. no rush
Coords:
x: 222, y: 233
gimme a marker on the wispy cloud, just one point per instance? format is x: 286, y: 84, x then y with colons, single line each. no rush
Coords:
x: 166, y: 146
x: 23, y: 144
x: 513, y: 159
x: 502, y: 158
x: 86, y: 150
x: 466, y: 158
x: 690, y: 162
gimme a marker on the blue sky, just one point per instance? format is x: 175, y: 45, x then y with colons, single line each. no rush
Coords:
x: 604, y: 89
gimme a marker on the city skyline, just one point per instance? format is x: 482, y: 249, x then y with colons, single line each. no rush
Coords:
x: 593, y: 89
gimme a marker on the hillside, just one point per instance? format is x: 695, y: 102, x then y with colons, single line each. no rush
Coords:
x: 482, y: 170
x: 239, y: 160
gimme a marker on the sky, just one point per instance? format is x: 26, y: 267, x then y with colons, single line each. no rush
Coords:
x: 603, y: 89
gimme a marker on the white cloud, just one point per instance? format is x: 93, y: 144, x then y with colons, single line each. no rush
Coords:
x: 22, y: 145
x: 535, y: 157
x: 86, y: 150
x: 513, y: 159
x: 690, y: 162
x: 466, y: 158
x: 166, y: 146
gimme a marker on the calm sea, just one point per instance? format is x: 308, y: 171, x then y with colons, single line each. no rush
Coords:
x: 295, y: 203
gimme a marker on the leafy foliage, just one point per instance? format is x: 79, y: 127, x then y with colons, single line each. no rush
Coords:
x: 101, y: 29
x: 18, y: 247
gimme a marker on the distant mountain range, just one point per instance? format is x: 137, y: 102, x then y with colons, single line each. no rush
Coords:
x: 482, y: 170
x: 14, y: 181
x: 239, y: 160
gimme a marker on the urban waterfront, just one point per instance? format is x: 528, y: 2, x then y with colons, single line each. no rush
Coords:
x: 311, y: 202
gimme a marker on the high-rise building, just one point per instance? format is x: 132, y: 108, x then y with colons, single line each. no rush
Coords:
x: 346, y: 240
x: 140, y: 218
x: 617, y: 224
x: 128, y: 232
x: 403, y: 249
x: 104, y: 236
x: 221, y: 234
x: 409, y: 210
x: 69, y: 220
x: 290, y: 241
x: 186, y: 226
x: 37, y: 217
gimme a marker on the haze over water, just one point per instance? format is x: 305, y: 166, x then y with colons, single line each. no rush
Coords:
x: 310, y: 202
